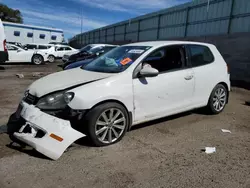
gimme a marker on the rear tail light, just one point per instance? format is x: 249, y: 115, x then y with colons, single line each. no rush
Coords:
x: 4, y: 46
x: 228, y: 70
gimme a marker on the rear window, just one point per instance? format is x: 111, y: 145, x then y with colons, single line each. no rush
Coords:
x: 200, y: 55
x: 30, y: 46
x: 42, y: 47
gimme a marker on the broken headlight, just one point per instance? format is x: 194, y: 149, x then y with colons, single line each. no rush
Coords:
x: 55, y: 101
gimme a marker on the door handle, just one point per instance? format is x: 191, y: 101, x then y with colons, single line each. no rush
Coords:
x: 189, y: 77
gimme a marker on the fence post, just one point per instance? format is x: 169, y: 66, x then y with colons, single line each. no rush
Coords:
x: 158, y: 26
x: 230, y: 17
x: 125, y: 31
x: 100, y: 35
x: 186, y: 23
x: 114, y: 34
x: 138, y: 32
x: 106, y: 35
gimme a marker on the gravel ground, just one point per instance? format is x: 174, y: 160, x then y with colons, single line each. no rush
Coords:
x: 162, y: 153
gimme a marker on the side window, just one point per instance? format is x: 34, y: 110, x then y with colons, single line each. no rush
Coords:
x: 200, y: 55
x: 60, y: 49
x: 29, y: 35
x: 12, y: 48
x: 17, y: 33
x: 167, y: 58
x: 31, y: 46
x: 42, y: 47
x: 67, y: 48
x: 42, y: 36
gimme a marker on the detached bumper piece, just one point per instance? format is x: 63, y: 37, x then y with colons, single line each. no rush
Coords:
x: 47, y: 134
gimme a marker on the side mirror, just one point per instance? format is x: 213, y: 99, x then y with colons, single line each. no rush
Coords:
x: 148, y: 72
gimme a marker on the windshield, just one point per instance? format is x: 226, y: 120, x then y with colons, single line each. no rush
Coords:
x: 116, y: 60
x: 86, y: 48
x: 95, y: 50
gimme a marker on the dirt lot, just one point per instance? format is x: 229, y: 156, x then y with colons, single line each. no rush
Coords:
x: 162, y: 153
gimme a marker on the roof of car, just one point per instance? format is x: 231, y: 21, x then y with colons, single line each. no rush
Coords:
x: 160, y: 43
x: 38, y: 44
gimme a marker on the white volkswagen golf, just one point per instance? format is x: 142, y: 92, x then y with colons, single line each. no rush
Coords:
x: 129, y: 85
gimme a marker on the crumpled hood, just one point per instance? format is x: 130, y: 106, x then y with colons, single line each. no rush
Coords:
x: 63, y: 80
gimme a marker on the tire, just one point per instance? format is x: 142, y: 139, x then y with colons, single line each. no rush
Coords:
x: 218, y: 99
x: 37, y: 59
x: 51, y: 58
x: 106, y: 128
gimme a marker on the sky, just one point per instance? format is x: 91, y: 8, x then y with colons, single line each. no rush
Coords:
x: 66, y: 14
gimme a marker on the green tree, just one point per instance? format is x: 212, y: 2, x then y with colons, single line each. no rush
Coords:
x: 10, y: 15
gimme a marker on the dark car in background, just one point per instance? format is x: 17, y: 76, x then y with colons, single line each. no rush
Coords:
x: 87, y: 55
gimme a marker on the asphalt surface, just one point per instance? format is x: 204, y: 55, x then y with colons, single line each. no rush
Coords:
x: 162, y: 153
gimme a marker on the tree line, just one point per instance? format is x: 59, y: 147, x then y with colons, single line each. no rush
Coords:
x: 10, y: 15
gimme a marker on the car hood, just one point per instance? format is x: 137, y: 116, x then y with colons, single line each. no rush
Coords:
x: 63, y: 80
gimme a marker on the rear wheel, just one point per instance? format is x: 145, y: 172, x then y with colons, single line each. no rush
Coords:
x: 107, y: 123
x: 37, y: 59
x: 218, y: 99
x: 51, y: 58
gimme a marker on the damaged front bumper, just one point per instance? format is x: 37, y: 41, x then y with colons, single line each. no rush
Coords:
x: 47, y: 134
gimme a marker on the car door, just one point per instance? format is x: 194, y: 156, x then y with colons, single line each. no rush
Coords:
x: 168, y: 93
x: 60, y: 51
x: 205, y: 72
x: 12, y: 50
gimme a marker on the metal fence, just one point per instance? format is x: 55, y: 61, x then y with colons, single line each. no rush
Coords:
x: 188, y: 20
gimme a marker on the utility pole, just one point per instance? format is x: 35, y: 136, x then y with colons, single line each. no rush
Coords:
x: 81, y: 15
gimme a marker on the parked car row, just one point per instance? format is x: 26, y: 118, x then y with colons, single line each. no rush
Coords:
x: 128, y: 85
x: 85, y: 55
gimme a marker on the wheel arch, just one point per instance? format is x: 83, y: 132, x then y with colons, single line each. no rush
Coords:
x: 130, y: 114
x: 225, y: 85
x: 37, y: 55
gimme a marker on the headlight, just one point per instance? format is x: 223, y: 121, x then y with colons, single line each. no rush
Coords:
x: 55, y: 101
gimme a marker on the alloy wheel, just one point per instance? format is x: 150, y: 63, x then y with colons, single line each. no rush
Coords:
x: 110, y: 125
x: 219, y: 99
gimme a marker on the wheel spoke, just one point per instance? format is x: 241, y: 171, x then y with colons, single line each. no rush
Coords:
x: 223, y: 95
x: 104, y: 135
x: 104, y: 115
x: 218, y: 106
x: 101, y: 123
x: 115, y: 133
x: 100, y: 130
x: 119, y: 126
x: 119, y: 120
x: 111, y: 113
x: 116, y: 115
x: 110, y: 136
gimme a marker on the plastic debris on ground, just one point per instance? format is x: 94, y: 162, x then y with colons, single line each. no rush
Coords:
x: 20, y: 75
x: 209, y: 150
x: 226, y: 131
x: 247, y: 103
x: 37, y: 74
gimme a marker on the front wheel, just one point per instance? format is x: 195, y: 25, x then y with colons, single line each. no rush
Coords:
x: 218, y: 99
x: 37, y: 59
x: 107, y: 123
x: 51, y: 58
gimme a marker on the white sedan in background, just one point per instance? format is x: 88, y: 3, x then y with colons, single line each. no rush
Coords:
x: 58, y: 51
x: 17, y: 54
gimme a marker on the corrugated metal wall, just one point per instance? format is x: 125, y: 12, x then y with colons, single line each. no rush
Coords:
x: 187, y: 20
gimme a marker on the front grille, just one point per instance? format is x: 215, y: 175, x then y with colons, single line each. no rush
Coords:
x: 30, y: 99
